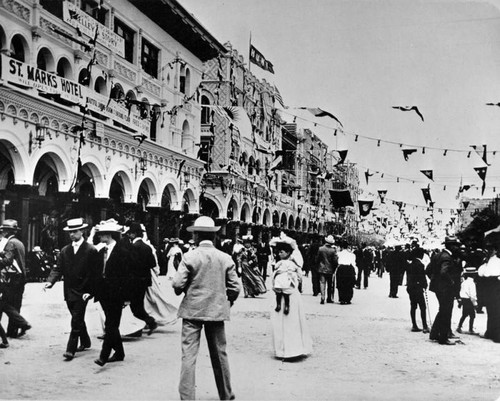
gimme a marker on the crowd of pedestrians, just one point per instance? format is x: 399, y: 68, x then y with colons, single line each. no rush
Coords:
x: 117, y: 266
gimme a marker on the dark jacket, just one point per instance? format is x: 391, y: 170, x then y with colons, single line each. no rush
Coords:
x: 76, y: 269
x: 112, y: 283
x: 415, y: 275
x: 327, y: 259
x: 447, y: 275
x: 142, y: 262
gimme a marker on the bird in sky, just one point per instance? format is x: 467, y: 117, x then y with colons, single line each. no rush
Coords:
x: 409, y: 108
x: 493, y: 104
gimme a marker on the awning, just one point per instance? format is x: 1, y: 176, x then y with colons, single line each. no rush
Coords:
x: 340, y: 198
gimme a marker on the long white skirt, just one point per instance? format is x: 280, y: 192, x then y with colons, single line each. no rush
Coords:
x: 291, y: 337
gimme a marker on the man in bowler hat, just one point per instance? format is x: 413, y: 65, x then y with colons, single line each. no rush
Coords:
x: 208, y: 279
x: 74, y: 264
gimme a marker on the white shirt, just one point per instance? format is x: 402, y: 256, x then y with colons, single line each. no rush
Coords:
x: 491, y: 268
x: 76, y: 245
x: 468, y: 290
x: 346, y: 258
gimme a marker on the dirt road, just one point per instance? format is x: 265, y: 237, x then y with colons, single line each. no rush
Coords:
x: 363, y: 351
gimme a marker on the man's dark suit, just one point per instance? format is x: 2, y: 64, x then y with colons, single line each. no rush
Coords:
x: 140, y: 270
x: 109, y: 287
x: 445, y: 283
x: 76, y: 269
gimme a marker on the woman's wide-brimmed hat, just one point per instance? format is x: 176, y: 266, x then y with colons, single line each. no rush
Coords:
x: 109, y: 226
x: 75, y: 224
x: 9, y: 224
x: 203, y: 224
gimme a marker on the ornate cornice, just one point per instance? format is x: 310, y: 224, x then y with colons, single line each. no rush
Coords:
x: 17, y: 9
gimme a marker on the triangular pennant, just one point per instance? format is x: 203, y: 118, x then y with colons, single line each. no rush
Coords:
x: 481, y: 172
x: 428, y: 174
x: 399, y: 204
x: 365, y: 207
x: 427, y: 194
x: 466, y: 204
x: 342, y: 155
x: 381, y: 194
x: 408, y: 152
x: 483, y: 154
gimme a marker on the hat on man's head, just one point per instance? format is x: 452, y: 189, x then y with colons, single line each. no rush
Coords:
x: 452, y: 240
x: 135, y: 228
x: 247, y: 238
x: 191, y: 242
x: 203, y: 224
x: 37, y: 249
x: 174, y: 240
x: 330, y: 240
x: 75, y: 224
x: 9, y: 224
x: 470, y: 270
x: 109, y: 226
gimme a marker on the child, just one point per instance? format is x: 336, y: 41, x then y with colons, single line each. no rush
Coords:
x: 285, y: 276
x: 468, y: 299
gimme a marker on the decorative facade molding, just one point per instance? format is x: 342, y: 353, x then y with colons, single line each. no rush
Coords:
x: 17, y: 9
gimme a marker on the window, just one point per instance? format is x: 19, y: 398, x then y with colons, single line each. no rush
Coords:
x: 205, y: 111
x: 17, y: 48
x: 149, y: 58
x: 92, y: 8
x: 128, y: 36
x: 53, y: 6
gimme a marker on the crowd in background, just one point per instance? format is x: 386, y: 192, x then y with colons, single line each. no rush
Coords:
x: 454, y: 273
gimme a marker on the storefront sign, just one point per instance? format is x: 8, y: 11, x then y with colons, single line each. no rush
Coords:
x: 88, y: 25
x: 27, y: 75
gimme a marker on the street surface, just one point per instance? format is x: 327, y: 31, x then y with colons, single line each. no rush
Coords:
x: 363, y: 351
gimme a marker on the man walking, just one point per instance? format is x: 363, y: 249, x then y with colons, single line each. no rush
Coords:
x: 327, y: 262
x: 74, y: 264
x: 445, y: 270
x: 14, y: 261
x: 140, y: 269
x: 208, y: 278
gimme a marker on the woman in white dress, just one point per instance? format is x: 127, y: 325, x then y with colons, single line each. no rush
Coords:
x: 291, y: 336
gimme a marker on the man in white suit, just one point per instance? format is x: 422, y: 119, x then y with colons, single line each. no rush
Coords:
x: 208, y: 278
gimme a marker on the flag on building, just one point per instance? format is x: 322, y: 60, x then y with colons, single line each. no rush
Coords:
x: 257, y: 57
x: 278, y: 98
x: 365, y: 207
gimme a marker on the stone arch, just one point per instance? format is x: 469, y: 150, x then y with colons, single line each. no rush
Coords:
x: 169, y: 197
x: 189, y: 200
x: 297, y: 224
x: 232, y: 209
x: 283, y: 220
x: 93, y: 168
x: 256, y: 215
x: 186, y: 137
x: 45, y: 60
x: 266, y: 218
x: 19, y: 47
x: 291, y: 222
x: 206, y: 112
x: 245, y: 215
x: 64, y: 68
x: 100, y: 86
x: 320, y: 228
x: 276, y: 219
x: 120, y: 187
x: 210, y: 206
x: 304, y: 225
x: 146, y: 193
x: 51, y: 173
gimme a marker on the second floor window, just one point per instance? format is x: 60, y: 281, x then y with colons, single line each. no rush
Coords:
x: 92, y: 8
x: 128, y: 36
x: 149, y: 58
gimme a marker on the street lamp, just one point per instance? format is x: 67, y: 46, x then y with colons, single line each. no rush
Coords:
x: 143, y: 164
x: 41, y: 131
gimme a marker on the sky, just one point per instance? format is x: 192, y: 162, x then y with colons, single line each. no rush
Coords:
x: 357, y: 59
